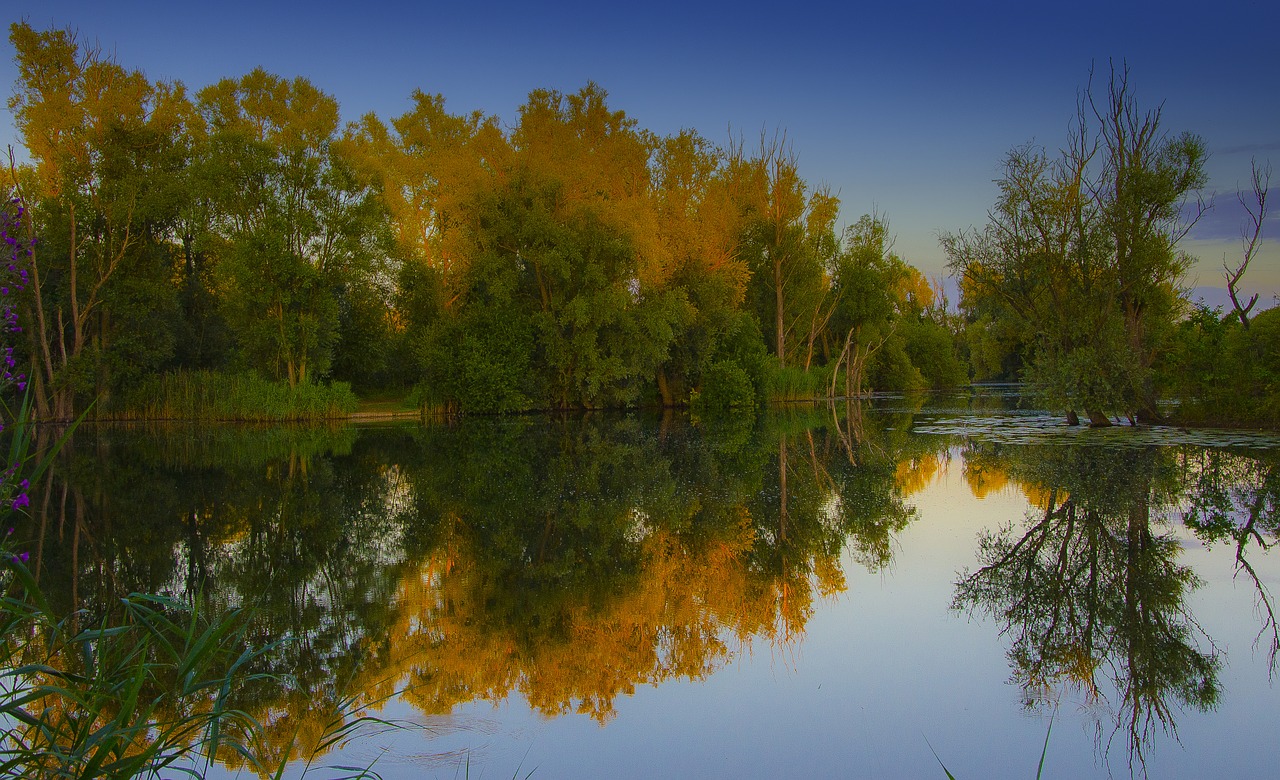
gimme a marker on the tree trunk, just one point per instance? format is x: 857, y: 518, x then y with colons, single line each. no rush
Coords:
x: 778, y: 306
x: 664, y: 389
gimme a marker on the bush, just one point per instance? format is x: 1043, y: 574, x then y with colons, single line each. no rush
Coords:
x: 1223, y: 374
x: 725, y: 386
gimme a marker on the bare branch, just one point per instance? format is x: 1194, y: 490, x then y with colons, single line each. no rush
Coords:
x: 1257, y: 211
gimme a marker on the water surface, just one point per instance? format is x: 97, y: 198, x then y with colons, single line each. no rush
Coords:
x: 819, y: 593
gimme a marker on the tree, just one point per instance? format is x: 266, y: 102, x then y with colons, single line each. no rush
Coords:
x: 104, y: 147
x: 866, y: 280
x: 1080, y: 252
x: 788, y: 233
x: 591, y: 335
x: 1257, y: 215
x: 428, y: 166
x: 295, y: 220
x: 699, y: 226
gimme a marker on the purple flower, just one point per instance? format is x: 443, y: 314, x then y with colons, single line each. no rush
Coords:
x: 21, y: 501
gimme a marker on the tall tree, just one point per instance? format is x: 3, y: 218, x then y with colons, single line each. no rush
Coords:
x: 429, y: 165
x: 1080, y: 252
x: 869, y: 285
x: 292, y: 220
x: 100, y: 139
x: 787, y: 227
x: 699, y: 226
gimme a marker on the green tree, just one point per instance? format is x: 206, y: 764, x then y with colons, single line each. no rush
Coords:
x: 571, y: 284
x: 788, y: 237
x: 867, y: 279
x: 105, y: 154
x: 1080, y: 252
x: 294, y: 219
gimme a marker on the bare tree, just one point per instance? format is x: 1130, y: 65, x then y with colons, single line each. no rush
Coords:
x: 1257, y: 210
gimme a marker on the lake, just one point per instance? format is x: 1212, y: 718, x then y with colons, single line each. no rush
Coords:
x: 864, y: 591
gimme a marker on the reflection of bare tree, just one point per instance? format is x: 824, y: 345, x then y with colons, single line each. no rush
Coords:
x: 1236, y: 499
x: 1092, y: 599
x: 852, y: 431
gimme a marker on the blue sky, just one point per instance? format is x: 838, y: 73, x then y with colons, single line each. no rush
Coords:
x: 907, y: 108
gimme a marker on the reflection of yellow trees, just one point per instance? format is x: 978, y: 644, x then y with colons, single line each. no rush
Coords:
x: 676, y: 619
x: 987, y: 476
x: 566, y: 565
x: 914, y: 474
x: 984, y: 477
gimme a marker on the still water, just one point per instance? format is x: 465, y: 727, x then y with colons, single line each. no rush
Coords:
x: 818, y: 593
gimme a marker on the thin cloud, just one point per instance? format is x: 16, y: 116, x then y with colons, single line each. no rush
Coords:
x: 1274, y: 146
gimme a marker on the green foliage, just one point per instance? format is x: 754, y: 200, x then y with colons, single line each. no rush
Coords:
x: 891, y: 368
x: 148, y: 690
x: 553, y: 315
x: 886, y: 337
x: 994, y: 348
x: 740, y: 343
x: 1223, y: 373
x: 490, y: 371
x: 119, y: 699
x: 725, y: 387
x: 931, y: 349
x: 792, y: 383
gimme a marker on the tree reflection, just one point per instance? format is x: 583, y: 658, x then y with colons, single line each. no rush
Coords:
x: 1090, y: 592
x: 564, y: 560
x: 1234, y: 498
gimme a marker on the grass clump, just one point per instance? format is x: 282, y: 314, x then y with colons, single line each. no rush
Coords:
x: 786, y: 384
x: 213, y: 395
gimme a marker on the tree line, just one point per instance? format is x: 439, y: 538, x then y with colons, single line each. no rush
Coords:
x: 574, y: 260
x: 243, y: 234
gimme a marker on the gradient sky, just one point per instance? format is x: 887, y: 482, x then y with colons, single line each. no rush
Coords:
x: 906, y: 108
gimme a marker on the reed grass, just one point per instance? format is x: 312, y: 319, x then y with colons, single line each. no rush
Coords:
x: 147, y: 693
x: 241, y: 397
x: 1039, y: 768
x: 122, y: 700
x: 789, y: 384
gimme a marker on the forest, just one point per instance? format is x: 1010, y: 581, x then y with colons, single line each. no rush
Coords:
x: 238, y: 251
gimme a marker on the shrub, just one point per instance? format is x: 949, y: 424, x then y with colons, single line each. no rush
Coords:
x: 725, y: 386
